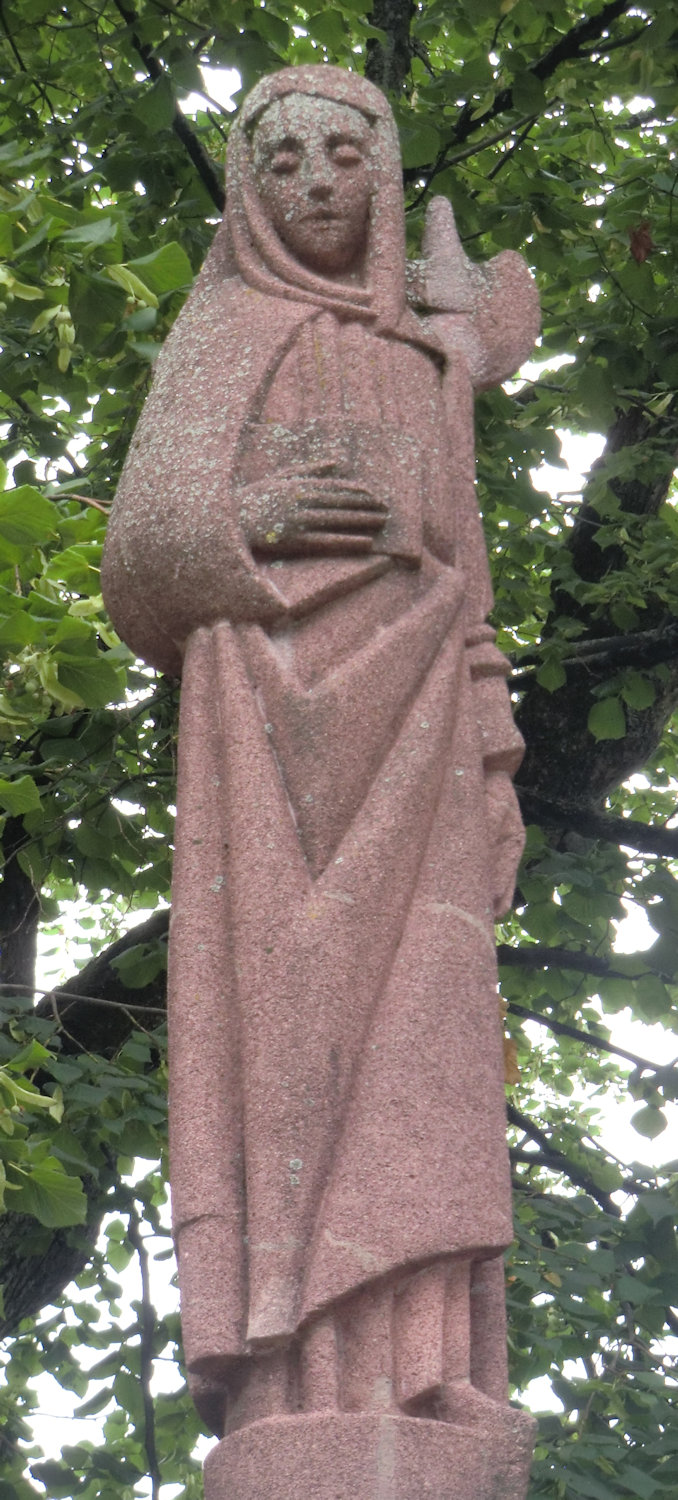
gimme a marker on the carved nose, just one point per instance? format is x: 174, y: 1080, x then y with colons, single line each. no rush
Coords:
x: 320, y: 187
x: 319, y: 178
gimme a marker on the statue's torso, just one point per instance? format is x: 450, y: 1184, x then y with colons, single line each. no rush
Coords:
x: 371, y: 408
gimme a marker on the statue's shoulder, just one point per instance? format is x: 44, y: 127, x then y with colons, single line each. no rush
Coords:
x: 227, y: 321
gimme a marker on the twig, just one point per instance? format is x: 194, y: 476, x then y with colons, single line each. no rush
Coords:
x: 589, y: 1038
x: 87, y: 500
x: 56, y: 994
x: 443, y: 161
x: 147, y: 1338
x: 20, y: 62
x: 556, y: 1161
x: 518, y: 142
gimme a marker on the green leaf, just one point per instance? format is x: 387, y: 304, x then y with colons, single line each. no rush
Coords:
x: 141, y: 964
x: 607, y: 720
x: 649, y: 1121
x: 638, y: 691
x: 165, y: 270
x: 420, y: 144
x: 528, y: 93
x: 26, y: 517
x: 657, y: 1205
x: 19, y: 796
x: 328, y: 28
x: 50, y: 1196
x: 156, y: 106
x: 68, y: 1149
x: 653, y: 1001
x: 94, y: 1403
x: 639, y: 1484
x: 18, y: 630
x: 551, y: 675
x: 128, y: 1393
x: 102, y: 230
x: 96, y: 304
x: 93, y: 680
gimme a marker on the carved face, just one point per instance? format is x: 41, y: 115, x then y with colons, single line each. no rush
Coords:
x: 313, y: 176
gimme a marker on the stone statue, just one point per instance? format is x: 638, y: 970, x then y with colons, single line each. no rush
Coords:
x: 296, y: 533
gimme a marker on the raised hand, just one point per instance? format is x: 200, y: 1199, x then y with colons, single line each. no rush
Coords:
x: 451, y: 282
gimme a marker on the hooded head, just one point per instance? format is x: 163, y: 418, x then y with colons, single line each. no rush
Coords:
x: 365, y: 231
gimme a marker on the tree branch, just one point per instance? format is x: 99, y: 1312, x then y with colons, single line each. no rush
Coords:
x: 648, y: 838
x: 147, y: 1337
x: 95, y: 1014
x: 19, y: 911
x: 589, y: 1039
x: 570, y: 48
x: 556, y: 1161
x: 105, y: 1027
x: 540, y: 956
x: 388, y: 63
x: 207, y: 172
x: 645, y: 648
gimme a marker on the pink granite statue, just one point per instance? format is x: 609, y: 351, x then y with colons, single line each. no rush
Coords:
x: 296, y: 532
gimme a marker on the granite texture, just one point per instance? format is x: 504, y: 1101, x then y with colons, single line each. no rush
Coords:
x: 296, y: 532
x: 371, y: 1458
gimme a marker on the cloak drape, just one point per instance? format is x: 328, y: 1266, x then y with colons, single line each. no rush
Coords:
x: 336, y: 1107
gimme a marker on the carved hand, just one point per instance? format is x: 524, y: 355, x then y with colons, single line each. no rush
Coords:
x: 310, y: 511
x: 451, y: 282
x: 489, y: 314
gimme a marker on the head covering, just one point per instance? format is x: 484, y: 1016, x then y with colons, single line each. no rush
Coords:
x: 254, y: 248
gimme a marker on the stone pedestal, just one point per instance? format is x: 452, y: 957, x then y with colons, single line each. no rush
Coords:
x: 328, y: 1456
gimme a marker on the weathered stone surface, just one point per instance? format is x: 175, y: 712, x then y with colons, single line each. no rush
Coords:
x: 372, y: 1458
x: 296, y: 531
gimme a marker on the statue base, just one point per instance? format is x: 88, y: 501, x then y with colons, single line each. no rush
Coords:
x: 373, y: 1456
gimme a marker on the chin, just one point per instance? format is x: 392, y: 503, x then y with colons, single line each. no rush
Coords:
x: 325, y: 257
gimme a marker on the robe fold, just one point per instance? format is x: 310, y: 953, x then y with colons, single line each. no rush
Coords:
x: 336, y: 1106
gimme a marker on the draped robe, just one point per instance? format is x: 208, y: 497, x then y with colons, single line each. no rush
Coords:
x: 336, y: 1081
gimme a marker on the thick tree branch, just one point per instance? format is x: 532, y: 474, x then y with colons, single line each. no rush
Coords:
x: 625, y: 832
x: 645, y: 648
x: 540, y: 956
x: 86, y: 1022
x: 96, y: 1013
x: 35, y: 1270
x: 388, y: 63
x: 207, y: 172
x: 19, y: 912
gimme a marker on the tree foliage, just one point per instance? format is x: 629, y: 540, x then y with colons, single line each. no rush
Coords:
x: 549, y: 125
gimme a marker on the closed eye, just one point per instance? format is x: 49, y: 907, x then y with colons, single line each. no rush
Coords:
x: 284, y: 161
x: 346, y: 153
